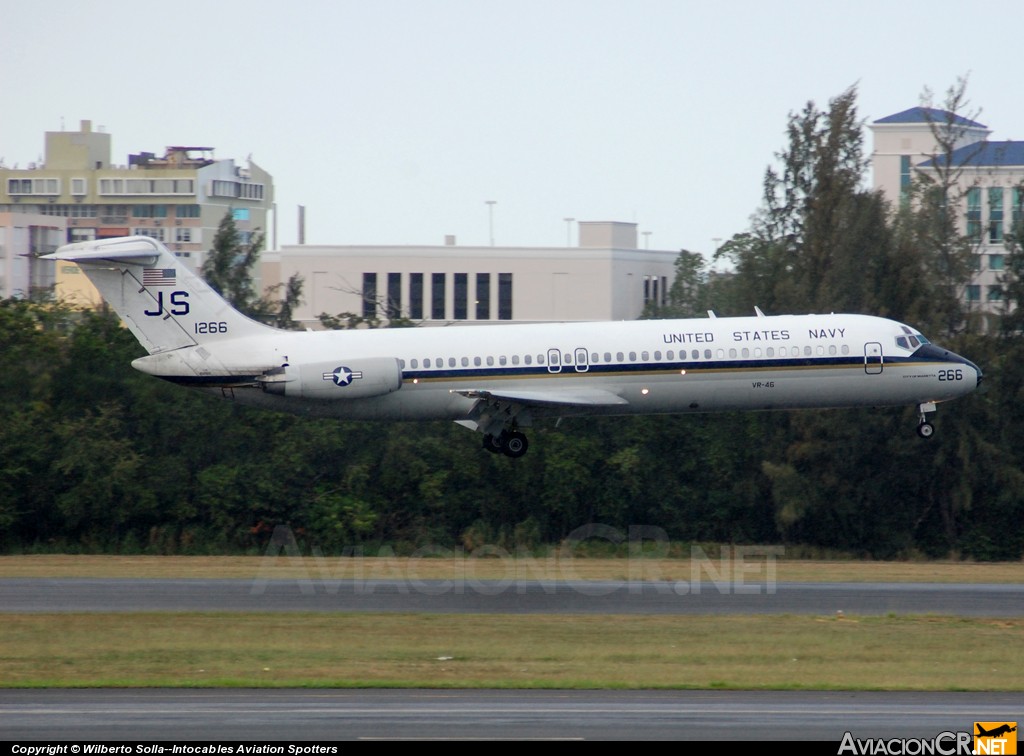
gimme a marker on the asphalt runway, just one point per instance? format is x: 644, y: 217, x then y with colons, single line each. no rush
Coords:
x: 513, y: 597
x: 137, y: 716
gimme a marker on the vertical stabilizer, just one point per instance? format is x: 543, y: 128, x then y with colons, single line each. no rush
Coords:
x: 164, y: 304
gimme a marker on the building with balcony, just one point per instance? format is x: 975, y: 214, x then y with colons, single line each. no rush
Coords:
x: 178, y: 197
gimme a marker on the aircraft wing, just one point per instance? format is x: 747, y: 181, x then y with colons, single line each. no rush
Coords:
x: 574, y: 397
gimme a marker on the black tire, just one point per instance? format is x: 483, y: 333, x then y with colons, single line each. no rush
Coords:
x: 926, y: 430
x: 514, y: 444
x: 493, y: 444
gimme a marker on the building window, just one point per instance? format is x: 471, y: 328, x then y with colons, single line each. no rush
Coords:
x: 460, y: 292
x: 78, y: 186
x: 160, y: 234
x: 483, y: 296
x: 974, y: 214
x: 995, y: 262
x: 369, y: 295
x: 904, y: 177
x: 187, y: 211
x: 504, y: 296
x: 394, y: 303
x: 149, y: 211
x: 183, y: 235
x: 416, y: 296
x: 33, y: 186
x: 973, y: 293
x: 1017, y: 211
x: 437, y: 296
x: 995, y: 294
x: 240, y: 213
x: 995, y: 214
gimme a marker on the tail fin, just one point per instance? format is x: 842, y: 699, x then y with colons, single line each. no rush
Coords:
x: 164, y: 304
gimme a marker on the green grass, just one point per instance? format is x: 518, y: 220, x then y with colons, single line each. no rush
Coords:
x: 510, y: 651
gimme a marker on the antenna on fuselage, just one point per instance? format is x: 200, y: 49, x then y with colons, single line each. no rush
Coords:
x: 758, y: 311
x: 711, y: 314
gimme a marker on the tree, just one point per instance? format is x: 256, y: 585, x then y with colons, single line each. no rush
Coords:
x: 228, y: 269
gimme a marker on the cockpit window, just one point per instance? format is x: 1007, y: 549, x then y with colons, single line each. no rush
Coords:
x: 912, y: 340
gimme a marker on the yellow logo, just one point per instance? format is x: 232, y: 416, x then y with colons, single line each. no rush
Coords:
x: 997, y: 738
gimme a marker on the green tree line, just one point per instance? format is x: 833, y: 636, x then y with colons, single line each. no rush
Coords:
x: 97, y: 457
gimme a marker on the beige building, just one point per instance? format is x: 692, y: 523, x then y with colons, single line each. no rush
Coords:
x: 23, y: 238
x: 179, y: 197
x: 990, y: 177
x: 605, y: 277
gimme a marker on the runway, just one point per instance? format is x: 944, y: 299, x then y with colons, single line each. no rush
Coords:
x: 518, y: 597
x: 219, y: 715
x: 340, y: 715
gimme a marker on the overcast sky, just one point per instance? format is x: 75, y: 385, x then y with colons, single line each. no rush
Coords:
x: 395, y: 121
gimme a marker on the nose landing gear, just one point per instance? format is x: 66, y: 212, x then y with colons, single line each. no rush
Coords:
x: 924, y: 428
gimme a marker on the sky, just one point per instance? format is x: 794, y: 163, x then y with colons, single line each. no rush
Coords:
x: 397, y: 121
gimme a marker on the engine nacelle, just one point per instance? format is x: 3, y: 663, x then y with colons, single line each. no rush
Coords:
x: 337, y: 380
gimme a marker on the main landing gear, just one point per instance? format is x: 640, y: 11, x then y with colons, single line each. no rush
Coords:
x: 511, y: 443
x: 924, y: 428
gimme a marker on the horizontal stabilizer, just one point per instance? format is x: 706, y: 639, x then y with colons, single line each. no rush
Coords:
x: 576, y: 397
x: 137, y: 249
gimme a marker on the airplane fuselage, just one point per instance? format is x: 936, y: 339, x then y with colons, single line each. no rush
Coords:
x: 655, y: 366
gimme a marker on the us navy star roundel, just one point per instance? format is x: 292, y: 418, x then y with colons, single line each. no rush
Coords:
x: 342, y: 376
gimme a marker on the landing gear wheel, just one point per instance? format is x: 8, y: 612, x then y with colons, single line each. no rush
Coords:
x: 925, y: 430
x: 493, y: 444
x: 514, y: 444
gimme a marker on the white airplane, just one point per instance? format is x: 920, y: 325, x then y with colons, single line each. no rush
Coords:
x: 497, y: 379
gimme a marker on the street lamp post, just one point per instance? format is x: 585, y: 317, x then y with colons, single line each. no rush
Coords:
x: 490, y: 217
x: 568, y: 231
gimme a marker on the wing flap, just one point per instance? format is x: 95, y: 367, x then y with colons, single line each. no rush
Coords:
x: 576, y: 397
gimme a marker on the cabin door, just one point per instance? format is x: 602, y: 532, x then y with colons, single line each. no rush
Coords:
x: 872, y: 358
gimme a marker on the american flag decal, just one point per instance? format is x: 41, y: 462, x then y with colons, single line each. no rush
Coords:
x: 158, y: 277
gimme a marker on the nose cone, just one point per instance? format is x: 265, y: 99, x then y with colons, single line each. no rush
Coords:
x: 934, y: 353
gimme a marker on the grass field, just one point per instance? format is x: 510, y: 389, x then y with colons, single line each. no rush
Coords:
x: 554, y: 567
x: 510, y: 651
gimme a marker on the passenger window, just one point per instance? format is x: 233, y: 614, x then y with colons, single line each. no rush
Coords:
x: 426, y: 362
x: 845, y: 349
x: 721, y: 353
x: 632, y: 356
x: 477, y: 361
x: 607, y: 356
x: 645, y: 356
x: 451, y: 362
x: 807, y: 351
x: 671, y: 354
x: 769, y: 351
x: 695, y: 354
x: 732, y: 353
x: 746, y: 352
x: 401, y: 364
x: 657, y: 356
x: 502, y: 361
x: 415, y: 364
x: 490, y: 361
x: 619, y: 357
x: 595, y: 357
x: 832, y: 349
x: 465, y: 362
x: 515, y: 359
x: 707, y: 354
x: 757, y: 351
x: 528, y: 359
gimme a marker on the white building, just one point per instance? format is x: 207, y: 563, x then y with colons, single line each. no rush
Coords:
x: 990, y: 179
x: 606, y: 277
